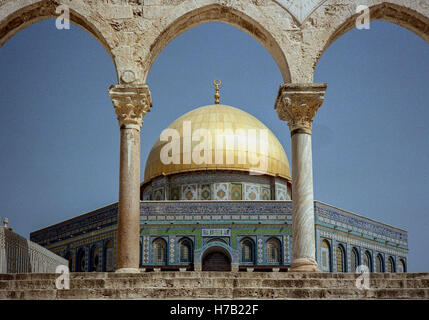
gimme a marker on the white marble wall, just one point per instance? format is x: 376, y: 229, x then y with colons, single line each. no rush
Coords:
x: 20, y: 255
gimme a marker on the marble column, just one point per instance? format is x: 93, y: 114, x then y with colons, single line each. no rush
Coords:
x: 297, y: 104
x: 131, y: 104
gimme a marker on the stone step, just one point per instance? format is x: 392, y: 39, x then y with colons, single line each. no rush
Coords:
x: 214, y: 285
x: 217, y: 293
x: 124, y: 283
x: 228, y: 275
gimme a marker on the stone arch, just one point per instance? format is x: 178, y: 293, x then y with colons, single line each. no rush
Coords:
x: 21, y: 14
x: 211, y: 252
x: 414, y: 18
x: 177, y: 23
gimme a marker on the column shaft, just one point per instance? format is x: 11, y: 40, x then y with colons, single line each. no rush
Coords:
x: 129, y: 200
x: 131, y: 104
x: 302, y: 198
x: 297, y: 104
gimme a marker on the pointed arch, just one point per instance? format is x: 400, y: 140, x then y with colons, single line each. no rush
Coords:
x: 379, y: 263
x: 354, y: 259
x: 185, y: 250
x: 341, y: 258
x: 159, y: 251
x: 325, y: 256
x: 411, y: 18
x: 216, y: 12
x: 81, y: 259
x: 367, y: 260
x: 273, y: 248
x: 247, y: 248
x: 391, y: 265
x: 20, y: 15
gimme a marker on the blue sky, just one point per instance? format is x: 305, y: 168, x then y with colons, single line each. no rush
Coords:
x: 59, y: 137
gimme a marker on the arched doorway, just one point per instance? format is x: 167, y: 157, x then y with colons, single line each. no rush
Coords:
x: 216, y: 259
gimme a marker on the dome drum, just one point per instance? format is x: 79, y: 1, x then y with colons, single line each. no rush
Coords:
x: 216, y: 185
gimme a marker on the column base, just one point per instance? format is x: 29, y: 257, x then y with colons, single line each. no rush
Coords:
x: 127, y: 270
x: 304, y: 265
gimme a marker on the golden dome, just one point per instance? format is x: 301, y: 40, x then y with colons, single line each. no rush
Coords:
x: 221, y: 117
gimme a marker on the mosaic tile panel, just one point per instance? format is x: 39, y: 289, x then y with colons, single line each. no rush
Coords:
x: 351, y: 221
x: 158, y: 194
x: 260, y: 251
x: 287, y: 258
x: 221, y: 191
x: 146, y: 249
x: 175, y: 193
x: 265, y: 193
x: 205, y: 192
x: 147, y: 195
x: 172, y: 248
x: 251, y: 192
x: 236, y: 191
x: 281, y: 192
x: 190, y: 192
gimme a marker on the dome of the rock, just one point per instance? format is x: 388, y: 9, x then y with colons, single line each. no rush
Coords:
x: 220, y: 119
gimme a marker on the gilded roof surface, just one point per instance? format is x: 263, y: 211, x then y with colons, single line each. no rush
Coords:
x: 216, y: 119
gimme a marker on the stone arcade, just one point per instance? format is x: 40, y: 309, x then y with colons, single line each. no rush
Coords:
x: 301, y: 235
x: 223, y: 216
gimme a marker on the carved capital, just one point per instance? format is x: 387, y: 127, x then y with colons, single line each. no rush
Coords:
x: 298, y: 103
x: 131, y: 104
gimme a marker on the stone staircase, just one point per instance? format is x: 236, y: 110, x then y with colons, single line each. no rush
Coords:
x: 215, y: 285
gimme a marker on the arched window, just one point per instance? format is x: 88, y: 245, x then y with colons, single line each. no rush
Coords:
x: 247, y: 251
x: 379, y: 263
x: 185, y: 246
x: 159, y: 248
x: 80, y: 261
x: 401, y: 266
x: 390, y: 265
x: 69, y: 257
x: 340, y: 259
x: 273, y: 251
x: 325, y: 256
x: 354, y: 260
x: 94, y: 259
x: 367, y: 260
x: 108, y: 264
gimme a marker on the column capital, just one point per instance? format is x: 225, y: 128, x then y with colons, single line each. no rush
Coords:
x: 131, y: 104
x: 298, y: 103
